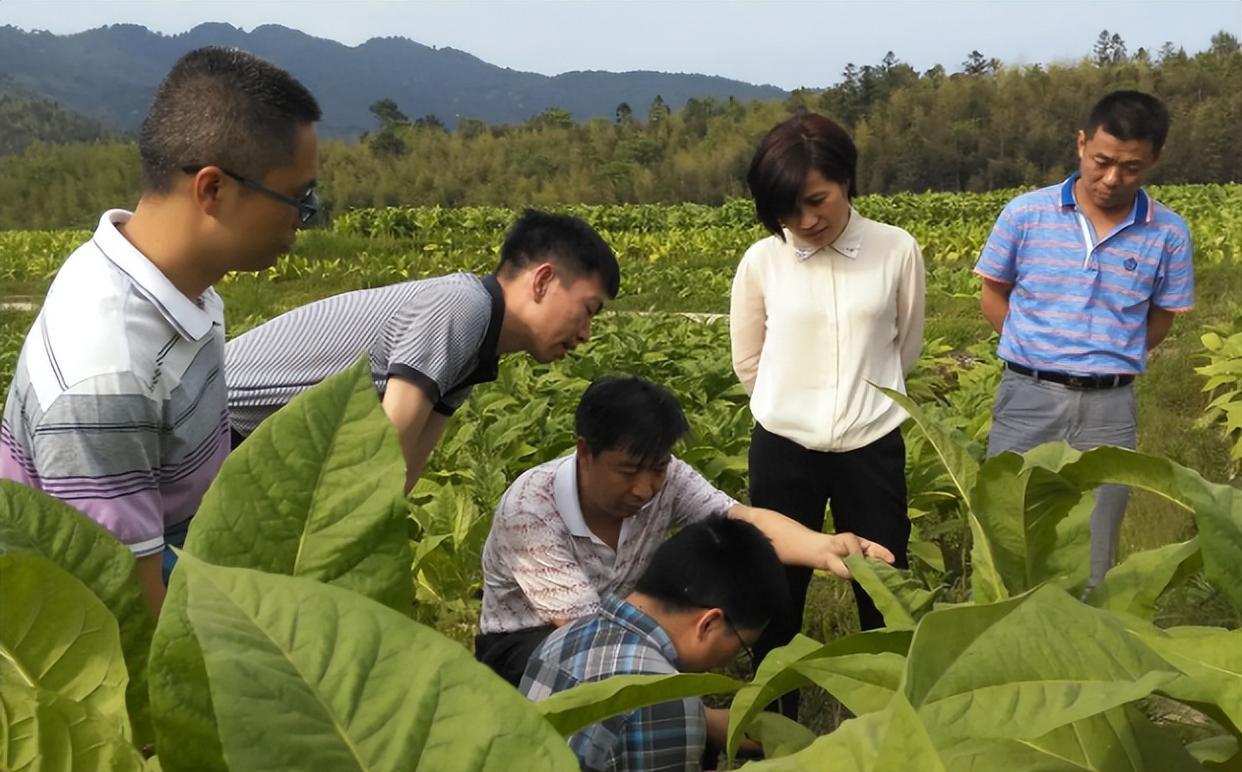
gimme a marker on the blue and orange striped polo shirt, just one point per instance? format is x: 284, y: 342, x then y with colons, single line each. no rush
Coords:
x: 1080, y: 303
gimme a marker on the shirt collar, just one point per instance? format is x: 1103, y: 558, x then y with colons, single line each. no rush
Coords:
x: 488, y: 367
x: 565, y: 495
x: 1141, y: 211
x: 191, y: 320
x: 848, y: 244
x: 629, y: 616
x: 491, y: 339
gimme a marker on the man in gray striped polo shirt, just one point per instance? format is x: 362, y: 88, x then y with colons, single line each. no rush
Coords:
x: 117, y: 405
x: 431, y: 340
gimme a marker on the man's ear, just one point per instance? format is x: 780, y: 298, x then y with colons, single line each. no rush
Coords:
x: 581, y: 447
x: 1081, y: 143
x: 205, y: 188
x: 708, y: 623
x: 541, y: 280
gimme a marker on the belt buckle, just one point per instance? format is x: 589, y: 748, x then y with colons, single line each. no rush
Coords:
x: 1077, y: 382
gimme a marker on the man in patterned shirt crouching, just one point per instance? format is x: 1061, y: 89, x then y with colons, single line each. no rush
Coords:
x: 570, y: 531
x: 705, y: 597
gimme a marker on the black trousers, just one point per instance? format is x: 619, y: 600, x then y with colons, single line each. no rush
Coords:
x: 866, y: 488
x: 508, y: 653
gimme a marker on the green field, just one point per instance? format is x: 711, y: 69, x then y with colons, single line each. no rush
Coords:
x: 677, y: 267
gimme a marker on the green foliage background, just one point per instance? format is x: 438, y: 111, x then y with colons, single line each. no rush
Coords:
x: 984, y: 127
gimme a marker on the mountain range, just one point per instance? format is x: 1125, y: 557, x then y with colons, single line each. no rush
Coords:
x: 109, y: 75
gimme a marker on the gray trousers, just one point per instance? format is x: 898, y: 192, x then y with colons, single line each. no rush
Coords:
x: 1030, y: 412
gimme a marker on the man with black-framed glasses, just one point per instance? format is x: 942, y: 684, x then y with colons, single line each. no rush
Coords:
x: 118, y: 404
x: 707, y: 595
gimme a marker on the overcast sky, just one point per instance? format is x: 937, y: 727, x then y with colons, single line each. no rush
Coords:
x: 788, y: 44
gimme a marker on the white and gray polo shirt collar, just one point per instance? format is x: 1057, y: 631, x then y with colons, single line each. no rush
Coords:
x: 191, y: 321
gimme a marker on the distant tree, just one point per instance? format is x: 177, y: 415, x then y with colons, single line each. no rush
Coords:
x: 1118, y: 47
x: 800, y: 100
x: 625, y: 114
x: 430, y: 121
x: 978, y: 64
x: 696, y: 115
x: 387, y: 113
x: 1101, y: 52
x: 1224, y: 44
x: 387, y: 144
x: 657, y: 112
x: 470, y: 127
x: 552, y: 118
x: 1109, y: 49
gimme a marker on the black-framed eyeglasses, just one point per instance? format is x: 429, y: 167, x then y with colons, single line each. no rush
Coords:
x: 307, y: 204
x: 747, y: 650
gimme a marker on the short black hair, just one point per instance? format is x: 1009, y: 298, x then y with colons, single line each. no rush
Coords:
x: 787, y: 154
x: 563, y: 239
x: 222, y: 107
x: 1130, y: 115
x: 632, y: 415
x: 719, y: 562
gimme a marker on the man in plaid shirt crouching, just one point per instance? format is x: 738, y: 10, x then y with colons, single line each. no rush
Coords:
x: 706, y: 596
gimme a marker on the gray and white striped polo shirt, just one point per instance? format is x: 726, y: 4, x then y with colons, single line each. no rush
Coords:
x: 439, y: 333
x: 117, y: 405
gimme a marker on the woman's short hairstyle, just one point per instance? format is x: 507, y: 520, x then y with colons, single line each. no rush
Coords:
x: 222, y: 107
x: 789, y: 152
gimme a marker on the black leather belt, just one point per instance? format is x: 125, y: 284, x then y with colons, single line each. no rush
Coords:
x: 1073, y: 381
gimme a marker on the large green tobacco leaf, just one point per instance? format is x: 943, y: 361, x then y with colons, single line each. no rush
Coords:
x: 1220, y: 751
x: 855, y: 669
x: 1035, y: 525
x: 56, y: 636
x: 35, y: 523
x: 1210, y: 658
x: 1217, y: 508
x: 1117, y: 740
x: 40, y: 730
x: 590, y: 703
x: 181, y: 703
x: 779, y: 735
x: 892, y: 739
x: 305, y: 673
x: 863, y: 683
x: 1023, y: 667
x: 951, y: 447
x: 953, y: 452
x: 900, y: 597
x: 1134, y: 585
x: 316, y: 491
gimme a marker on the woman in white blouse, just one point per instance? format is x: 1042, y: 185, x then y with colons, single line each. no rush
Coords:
x: 823, y: 308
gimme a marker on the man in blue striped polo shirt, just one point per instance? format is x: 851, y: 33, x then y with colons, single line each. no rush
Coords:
x: 1081, y: 280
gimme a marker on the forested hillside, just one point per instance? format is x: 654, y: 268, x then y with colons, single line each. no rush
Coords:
x: 983, y: 127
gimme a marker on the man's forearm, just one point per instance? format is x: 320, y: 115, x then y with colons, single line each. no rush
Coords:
x: 1159, y: 323
x: 994, y: 302
x: 788, y: 536
x: 151, y: 580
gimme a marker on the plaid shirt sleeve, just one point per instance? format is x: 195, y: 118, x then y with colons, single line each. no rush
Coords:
x: 665, y: 737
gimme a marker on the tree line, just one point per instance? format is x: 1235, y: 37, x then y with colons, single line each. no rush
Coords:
x: 985, y: 125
